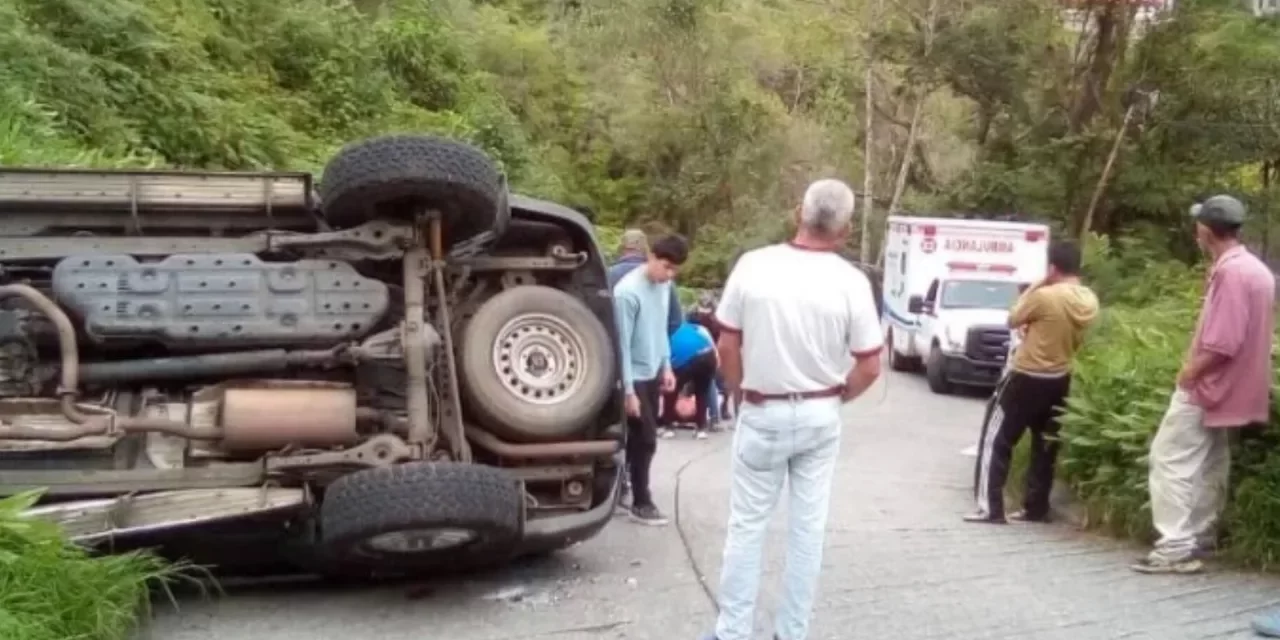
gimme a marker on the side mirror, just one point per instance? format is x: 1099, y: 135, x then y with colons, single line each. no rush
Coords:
x: 915, y: 304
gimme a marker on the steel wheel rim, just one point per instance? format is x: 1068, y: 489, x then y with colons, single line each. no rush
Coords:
x: 540, y: 358
x: 411, y: 541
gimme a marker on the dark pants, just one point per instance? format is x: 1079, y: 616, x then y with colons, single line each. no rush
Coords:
x: 1021, y: 402
x: 642, y: 441
x: 699, y: 374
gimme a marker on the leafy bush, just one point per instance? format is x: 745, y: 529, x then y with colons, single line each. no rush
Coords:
x: 236, y: 84
x: 1136, y: 270
x: 53, y: 590
x: 1123, y: 378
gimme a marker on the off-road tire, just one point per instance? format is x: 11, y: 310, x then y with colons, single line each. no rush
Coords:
x: 419, y: 495
x: 397, y: 176
x: 935, y: 372
x: 495, y: 403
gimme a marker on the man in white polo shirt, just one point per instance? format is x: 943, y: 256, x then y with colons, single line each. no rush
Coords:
x: 800, y: 336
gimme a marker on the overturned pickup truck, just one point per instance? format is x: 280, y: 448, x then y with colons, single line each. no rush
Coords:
x: 403, y: 369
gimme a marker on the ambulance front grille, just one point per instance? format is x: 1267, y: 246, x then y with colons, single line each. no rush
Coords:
x: 988, y: 344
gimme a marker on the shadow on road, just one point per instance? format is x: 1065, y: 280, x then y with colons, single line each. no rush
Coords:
x: 524, y: 571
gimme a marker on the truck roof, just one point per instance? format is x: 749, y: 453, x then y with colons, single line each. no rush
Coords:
x: 969, y: 223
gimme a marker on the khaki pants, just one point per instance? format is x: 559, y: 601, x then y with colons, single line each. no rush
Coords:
x: 1189, y: 469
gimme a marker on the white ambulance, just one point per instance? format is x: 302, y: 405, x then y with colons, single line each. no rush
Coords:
x: 948, y: 286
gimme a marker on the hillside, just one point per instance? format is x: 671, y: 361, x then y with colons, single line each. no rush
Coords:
x: 240, y: 84
x: 707, y: 118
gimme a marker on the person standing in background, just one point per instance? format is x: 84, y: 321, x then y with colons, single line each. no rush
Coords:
x: 633, y: 252
x: 1015, y: 336
x: 694, y: 361
x: 1054, y: 315
x: 704, y: 314
x: 641, y: 300
x: 1224, y: 384
x: 800, y: 336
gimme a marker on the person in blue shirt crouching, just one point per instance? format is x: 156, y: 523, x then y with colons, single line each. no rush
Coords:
x: 694, y: 362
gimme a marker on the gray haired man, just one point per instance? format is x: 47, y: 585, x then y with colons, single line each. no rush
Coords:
x: 800, y: 337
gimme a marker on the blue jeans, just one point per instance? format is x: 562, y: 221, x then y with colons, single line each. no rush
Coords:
x: 778, y: 443
x: 713, y: 401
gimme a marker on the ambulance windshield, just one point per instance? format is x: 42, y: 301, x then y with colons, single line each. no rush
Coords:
x: 978, y: 294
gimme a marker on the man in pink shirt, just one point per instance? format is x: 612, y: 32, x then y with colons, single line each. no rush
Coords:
x: 1224, y: 384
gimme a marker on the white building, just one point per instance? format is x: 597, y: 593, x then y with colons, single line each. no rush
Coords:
x: 1076, y: 16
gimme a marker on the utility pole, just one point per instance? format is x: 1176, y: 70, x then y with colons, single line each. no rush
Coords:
x: 868, y: 173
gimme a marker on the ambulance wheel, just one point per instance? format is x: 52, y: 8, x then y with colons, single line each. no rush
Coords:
x: 935, y: 371
x: 899, y: 362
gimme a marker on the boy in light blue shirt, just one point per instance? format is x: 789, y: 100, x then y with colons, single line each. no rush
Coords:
x: 641, y: 299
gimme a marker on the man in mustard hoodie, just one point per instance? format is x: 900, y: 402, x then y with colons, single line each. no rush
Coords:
x: 1053, y: 315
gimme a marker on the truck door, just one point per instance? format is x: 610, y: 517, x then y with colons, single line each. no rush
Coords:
x: 928, y: 319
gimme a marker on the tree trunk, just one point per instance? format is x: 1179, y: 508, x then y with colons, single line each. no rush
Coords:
x: 900, y: 185
x: 985, y: 116
x: 1111, y: 26
x: 928, y: 24
x: 1101, y: 187
x: 868, y: 204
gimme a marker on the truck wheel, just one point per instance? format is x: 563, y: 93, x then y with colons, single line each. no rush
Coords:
x: 410, y: 514
x: 935, y: 371
x: 396, y: 176
x: 897, y: 361
x: 535, y: 364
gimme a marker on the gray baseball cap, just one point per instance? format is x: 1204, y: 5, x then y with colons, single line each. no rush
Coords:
x: 1220, y: 209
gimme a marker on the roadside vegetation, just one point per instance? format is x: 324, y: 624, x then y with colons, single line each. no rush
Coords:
x: 53, y: 590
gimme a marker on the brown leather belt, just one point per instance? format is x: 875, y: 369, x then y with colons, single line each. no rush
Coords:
x: 757, y: 397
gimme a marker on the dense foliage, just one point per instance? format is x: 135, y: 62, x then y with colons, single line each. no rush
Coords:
x: 564, y: 103
x: 51, y: 590
x: 703, y: 117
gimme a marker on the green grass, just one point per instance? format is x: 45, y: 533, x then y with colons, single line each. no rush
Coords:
x: 53, y: 590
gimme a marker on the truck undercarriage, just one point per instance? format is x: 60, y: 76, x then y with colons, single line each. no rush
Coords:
x: 410, y: 367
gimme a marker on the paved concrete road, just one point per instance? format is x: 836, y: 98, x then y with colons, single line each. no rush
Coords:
x: 899, y: 564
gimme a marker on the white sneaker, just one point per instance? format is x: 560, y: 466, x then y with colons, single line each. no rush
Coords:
x: 668, y: 434
x: 700, y: 435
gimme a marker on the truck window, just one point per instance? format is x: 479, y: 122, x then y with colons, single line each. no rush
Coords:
x: 979, y: 294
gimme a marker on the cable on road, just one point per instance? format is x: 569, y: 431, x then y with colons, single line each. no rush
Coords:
x: 684, y: 536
